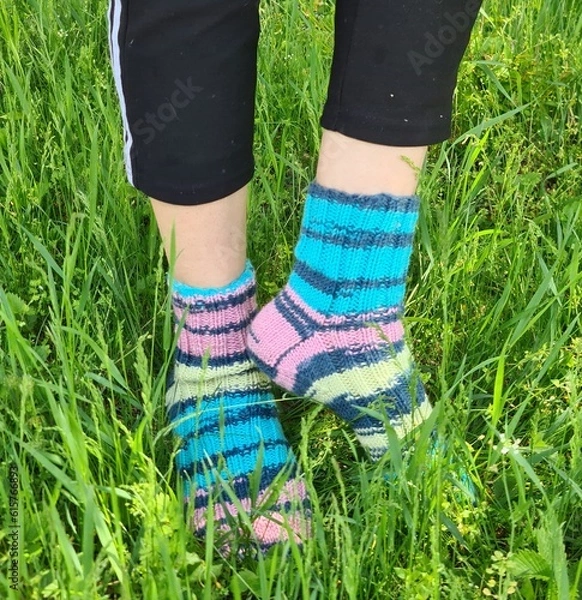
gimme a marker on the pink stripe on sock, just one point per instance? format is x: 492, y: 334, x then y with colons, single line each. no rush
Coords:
x: 362, y: 339
x: 276, y: 528
x: 220, y: 346
x: 221, y: 511
x: 278, y: 339
x: 201, y: 493
x: 230, y: 315
x: 393, y: 332
x: 269, y: 530
x: 293, y: 491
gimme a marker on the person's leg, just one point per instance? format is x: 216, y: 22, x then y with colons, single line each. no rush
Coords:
x: 335, y: 332
x: 185, y: 74
x: 209, y: 240
x: 359, y: 167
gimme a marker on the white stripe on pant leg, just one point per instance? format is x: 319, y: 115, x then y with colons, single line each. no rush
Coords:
x: 115, y: 50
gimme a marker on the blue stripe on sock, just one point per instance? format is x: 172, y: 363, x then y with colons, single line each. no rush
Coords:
x: 293, y: 313
x: 354, y: 250
x: 222, y: 428
x: 301, y: 321
x: 376, y: 263
x: 350, y: 237
x: 236, y: 432
x: 240, y: 461
x: 200, y: 475
x: 320, y: 292
x: 211, y: 303
x: 237, y: 435
x: 272, y: 450
x: 343, y: 285
x: 370, y: 218
x: 256, y: 410
x: 213, y: 408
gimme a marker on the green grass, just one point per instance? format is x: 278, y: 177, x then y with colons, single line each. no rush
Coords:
x: 494, y: 306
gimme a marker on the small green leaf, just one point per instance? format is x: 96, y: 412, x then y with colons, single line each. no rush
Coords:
x: 528, y: 563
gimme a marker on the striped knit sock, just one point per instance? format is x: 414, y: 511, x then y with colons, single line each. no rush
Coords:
x: 334, y: 333
x: 234, y: 455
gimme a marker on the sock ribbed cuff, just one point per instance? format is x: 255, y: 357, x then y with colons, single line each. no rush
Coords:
x: 365, y: 201
x: 354, y: 250
x: 214, y: 321
x: 188, y: 291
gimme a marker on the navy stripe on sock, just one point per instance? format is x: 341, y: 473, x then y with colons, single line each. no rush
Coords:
x: 331, y: 362
x: 192, y: 360
x: 384, y: 202
x: 211, y: 461
x: 234, y: 421
x: 339, y: 287
x: 294, y: 314
x: 267, y: 369
x: 354, y: 238
x: 301, y: 321
x: 211, y: 303
x: 240, y: 325
x: 232, y: 414
x: 396, y: 402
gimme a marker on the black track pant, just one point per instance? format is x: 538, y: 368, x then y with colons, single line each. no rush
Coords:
x: 185, y: 72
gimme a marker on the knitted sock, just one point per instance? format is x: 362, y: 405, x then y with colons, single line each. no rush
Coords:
x: 234, y: 454
x: 334, y: 333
